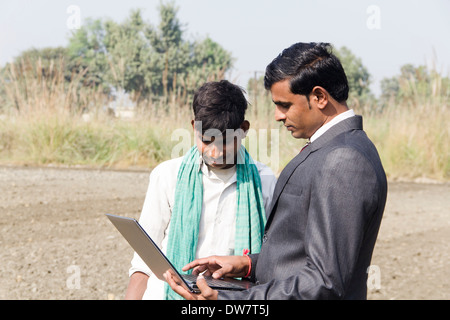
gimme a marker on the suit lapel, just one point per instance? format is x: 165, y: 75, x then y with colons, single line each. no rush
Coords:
x: 285, y: 175
x: 343, y: 126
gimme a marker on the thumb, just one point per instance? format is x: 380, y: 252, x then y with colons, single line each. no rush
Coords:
x: 206, y: 292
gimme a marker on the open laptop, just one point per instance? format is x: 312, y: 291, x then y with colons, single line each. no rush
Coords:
x: 155, y: 259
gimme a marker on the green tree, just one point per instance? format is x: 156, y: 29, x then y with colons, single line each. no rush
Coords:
x: 173, y: 51
x: 209, y: 57
x: 186, y: 63
x: 128, y: 54
x: 415, y: 85
x: 43, y: 61
x: 145, y: 60
x: 34, y: 70
x: 87, y: 52
x: 358, y: 77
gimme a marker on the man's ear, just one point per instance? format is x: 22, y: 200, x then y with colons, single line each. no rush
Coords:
x: 320, y: 97
x: 244, y: 127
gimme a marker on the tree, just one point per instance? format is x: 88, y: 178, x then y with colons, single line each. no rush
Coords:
x: 34, y: 71
x: 167, y: 40
x: 414, y: 85
x: 87, y: 51
x: 186, y: 64
x: 145, y: 60
x: 128, y: 54
x: 43, y: 62
x: 358, y: 75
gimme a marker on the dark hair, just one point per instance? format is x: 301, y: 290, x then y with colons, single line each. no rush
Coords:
x: 219, y: 105
x: 308, y: 65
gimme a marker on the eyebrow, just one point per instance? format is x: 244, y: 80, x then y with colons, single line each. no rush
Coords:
x: 206, y: 138
x: 212, y: 139
x: 282, y: 103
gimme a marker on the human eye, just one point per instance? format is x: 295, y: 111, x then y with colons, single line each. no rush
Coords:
x: 284, y: 105
x: 207, y: 140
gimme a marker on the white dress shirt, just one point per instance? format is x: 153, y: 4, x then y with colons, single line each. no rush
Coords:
x: 218, y: 218
x: 334, y: 121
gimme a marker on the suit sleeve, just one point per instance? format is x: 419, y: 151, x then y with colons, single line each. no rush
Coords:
x: 155, y: 214
x: 343, y: 193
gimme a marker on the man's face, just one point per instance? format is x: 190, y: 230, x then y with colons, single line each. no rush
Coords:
x: 218, y: 151
x: 298, y: 116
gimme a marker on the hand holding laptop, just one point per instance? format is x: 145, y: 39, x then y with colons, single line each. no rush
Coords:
x: 206, y: 293
x: 215, y: 266
x: 163, y: 269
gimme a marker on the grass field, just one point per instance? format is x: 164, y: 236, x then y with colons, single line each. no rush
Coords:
x: 40, y: 126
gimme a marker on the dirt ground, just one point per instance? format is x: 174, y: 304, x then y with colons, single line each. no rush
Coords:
x: 56, y: 242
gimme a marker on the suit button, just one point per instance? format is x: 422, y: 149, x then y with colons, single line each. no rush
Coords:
x: 264, y: 238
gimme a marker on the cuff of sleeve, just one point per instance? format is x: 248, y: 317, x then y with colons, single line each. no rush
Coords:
x: 254, y: 259
x: 249, y: 266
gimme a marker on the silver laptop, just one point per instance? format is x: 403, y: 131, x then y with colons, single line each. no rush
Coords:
x: 155, y: 259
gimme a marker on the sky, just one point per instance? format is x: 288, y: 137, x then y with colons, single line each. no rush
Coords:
x: 385, y: 35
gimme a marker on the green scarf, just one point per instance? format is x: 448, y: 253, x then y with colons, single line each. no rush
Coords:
x: 185, y: 220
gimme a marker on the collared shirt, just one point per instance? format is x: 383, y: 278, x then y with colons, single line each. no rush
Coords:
x: 334, y: 121
x: 218, y: 218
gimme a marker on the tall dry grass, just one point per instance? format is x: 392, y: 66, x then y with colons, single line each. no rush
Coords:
x: 47, y: 120
x: 41, y: 122
x: 413, y: 138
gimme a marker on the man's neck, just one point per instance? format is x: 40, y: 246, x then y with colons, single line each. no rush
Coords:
x: 333, y: 121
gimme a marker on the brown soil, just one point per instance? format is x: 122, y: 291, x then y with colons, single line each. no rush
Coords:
x: 56, y: 242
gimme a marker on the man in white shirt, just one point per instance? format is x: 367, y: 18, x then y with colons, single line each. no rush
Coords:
x: 219, y: 127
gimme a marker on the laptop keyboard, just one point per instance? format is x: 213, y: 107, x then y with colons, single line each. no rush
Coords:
x: 213, y: 283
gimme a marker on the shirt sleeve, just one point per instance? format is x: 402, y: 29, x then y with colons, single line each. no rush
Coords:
x: 268, y: 181
x: 157, y: 209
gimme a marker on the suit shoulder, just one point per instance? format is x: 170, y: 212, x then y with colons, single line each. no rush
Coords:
x: 358, y: 161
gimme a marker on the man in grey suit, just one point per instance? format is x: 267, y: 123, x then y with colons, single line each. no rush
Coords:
x: 328, y: 201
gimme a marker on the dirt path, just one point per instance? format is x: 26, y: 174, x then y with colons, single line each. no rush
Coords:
x: 56, y: 243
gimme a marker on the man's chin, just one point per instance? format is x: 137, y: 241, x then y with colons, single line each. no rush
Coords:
x: 219, y: 166
x: 297, y: 135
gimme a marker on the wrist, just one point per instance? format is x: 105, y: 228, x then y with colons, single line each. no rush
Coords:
x: 249, y: 267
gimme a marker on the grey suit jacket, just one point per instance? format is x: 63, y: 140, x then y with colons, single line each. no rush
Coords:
x: 321, y: 230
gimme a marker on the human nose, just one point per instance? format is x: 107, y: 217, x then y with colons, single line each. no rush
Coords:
x: 279, y: 114
x: 214, y: 151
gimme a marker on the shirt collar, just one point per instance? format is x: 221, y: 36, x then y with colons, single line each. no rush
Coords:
x: 209, y: 174
x: 201, y: 163
x: 340, y: 117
